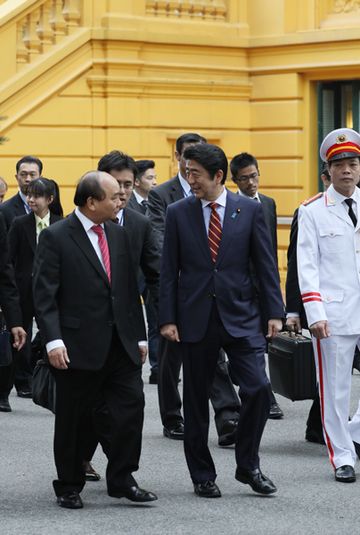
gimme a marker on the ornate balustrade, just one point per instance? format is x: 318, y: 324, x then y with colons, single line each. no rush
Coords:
x: 197, y: 9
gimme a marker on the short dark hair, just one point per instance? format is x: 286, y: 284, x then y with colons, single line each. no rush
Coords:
x: 242, y: 160
x: 190, y: 137
x: 143, y: 166
x: 325, y: 170
x: 29, y: 159
x: 211, y: 157
x: 41, y: 187
x: 89, y: 186
x: 117, y: 161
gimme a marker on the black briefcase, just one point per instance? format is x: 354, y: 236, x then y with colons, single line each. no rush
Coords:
x: 292, y: 366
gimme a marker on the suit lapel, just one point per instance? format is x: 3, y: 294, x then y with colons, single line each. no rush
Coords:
x: 113, y: 244
x: 80, y: 237
x: 177, y: 192
x: 230, y: 219
x: 196, y: 219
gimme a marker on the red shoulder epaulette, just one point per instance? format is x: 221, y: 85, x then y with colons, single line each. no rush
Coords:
x: 312, y: 199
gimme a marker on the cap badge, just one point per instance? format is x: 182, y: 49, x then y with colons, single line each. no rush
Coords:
x: 341, y: 138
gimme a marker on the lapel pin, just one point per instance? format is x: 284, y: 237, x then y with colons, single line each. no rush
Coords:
x: 234, y: 214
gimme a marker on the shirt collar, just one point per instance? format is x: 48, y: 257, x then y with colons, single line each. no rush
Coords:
x: 138, y: 197
x: 184, y: 184
x: 85, y: 221
x: 221, y: 200
x: 45, y: 219
x: 23, y: 197
x: 338, y: 197
x: 256, y: 196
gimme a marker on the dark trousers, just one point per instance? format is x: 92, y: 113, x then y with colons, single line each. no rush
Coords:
x: 119, y: 383
x: 246, y: 356
x: 19, y: 372
x: 223, y: 396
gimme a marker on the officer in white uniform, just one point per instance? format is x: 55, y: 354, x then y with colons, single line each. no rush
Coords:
x: 328, y: 255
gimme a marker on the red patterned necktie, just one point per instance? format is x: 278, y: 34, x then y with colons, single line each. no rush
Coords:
x: 104, y: 249
x: 214, y: 235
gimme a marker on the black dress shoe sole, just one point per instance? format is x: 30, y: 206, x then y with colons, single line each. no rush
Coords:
x: 204, y: 495
x: 92, y: 477
x: 255, y: 488
x: 25, y: 395
x: 5, y: 408
x: 147, y: 499
x: 173, y: 436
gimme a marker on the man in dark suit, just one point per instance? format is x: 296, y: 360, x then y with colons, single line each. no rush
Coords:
x: 245, y: 173
x: 223, y: 396
x: 146, y: 264
x: 90, y: 317
x: 27, y: 169
x: 208, y: 302
x: 144, y: 181
x: 9, y: 301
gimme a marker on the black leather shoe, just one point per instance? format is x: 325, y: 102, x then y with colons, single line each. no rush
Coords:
x: 356, y: 362
x: 314, y: 436
x: 90, y: 472
x: 5, y: 405
x: 134, y: 494
x: 345, y: 474
x: 227, y: 433
x: 257, y: 481
x: 24, y: 393
x: 153, y: 378
x: 70, y: 500
x: 175, y: 433
x: 275, y: 412
x: 208, y: 489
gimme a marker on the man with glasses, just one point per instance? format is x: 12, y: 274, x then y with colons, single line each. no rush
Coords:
x: 245, y: 173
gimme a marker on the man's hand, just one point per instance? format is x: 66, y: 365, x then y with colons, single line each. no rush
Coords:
x: 58, y: 358
x: 293, y: 324
x: 320, y: 329
x: 170, y: 332
x: 19, y: 337
x: 143, y: 350
x: 274, y: 327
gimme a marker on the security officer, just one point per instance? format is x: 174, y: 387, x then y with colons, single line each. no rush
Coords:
x: 328, y: 254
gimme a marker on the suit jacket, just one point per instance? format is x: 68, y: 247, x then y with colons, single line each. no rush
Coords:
x: 269, y: 208
x: 189, y: 279
x: 9, y: 298
x: 134, y: 205
x: 74, y: 300
x: 292, y: 290
x: 144, y: 249
x: 22, y: 246
x: 12, y: 208
x: 159, y: 199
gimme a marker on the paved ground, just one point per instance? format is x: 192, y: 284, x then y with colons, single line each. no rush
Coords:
x: 308, y: 501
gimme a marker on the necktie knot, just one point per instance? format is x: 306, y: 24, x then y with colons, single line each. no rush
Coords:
x: 41, y: 225
x: 213, y: 206
x: 98, y: 230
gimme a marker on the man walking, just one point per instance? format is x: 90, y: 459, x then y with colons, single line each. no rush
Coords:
x: 208, y: 302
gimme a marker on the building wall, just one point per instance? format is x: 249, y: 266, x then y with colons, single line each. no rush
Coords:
x: 134, y: 75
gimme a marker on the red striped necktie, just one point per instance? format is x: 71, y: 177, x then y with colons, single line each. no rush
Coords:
x: 104, y: 248
x: 214, y: 235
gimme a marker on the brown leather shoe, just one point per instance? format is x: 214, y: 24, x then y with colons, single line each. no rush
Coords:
x: 90, y: 472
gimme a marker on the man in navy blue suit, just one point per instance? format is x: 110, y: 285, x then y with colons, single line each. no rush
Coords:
x: 208, y: 302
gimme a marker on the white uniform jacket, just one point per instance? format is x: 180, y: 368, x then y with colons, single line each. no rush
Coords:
x: 328, y: 256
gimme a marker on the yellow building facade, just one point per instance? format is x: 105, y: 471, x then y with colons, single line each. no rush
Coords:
x: 79, y: 78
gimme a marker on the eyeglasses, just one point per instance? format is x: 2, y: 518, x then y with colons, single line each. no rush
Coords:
x: 246, y: 178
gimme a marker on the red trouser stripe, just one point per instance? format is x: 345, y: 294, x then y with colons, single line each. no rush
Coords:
x: 321, y: 390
